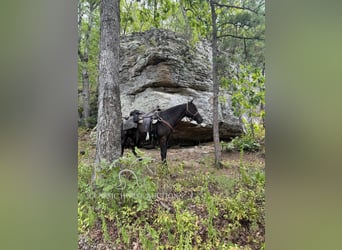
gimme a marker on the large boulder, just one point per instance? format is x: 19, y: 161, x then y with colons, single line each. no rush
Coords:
x: 159, y: 67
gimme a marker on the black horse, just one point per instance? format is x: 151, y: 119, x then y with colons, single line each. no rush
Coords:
x: 167, y: 120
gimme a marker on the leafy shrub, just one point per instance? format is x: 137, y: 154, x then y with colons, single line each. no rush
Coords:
x: 86, y: 213
x: 119, y: 194
x: 252, y: 141
x: 245, y: 207
x: 123, y: 206
x: 243, y: 143
x: 179, y: 228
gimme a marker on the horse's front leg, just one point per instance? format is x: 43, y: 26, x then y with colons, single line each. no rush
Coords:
x: 136, y: 143
x: 123, y: 142
x: 163, y: 148
x: 122, y: 148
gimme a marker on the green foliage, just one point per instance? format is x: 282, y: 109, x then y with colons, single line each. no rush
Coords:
x: 89, y: 35
x: 248, y: 90
x: 243, y: 208
x: 88, y: 51
x: 246, y: 203
x: 119, y: 194
x: 128, y: 188
x: 198, y: 18
x: 242, y: 31
x: 138, y: 16
x: 180, y: 228
x: 149, y: 237
x: 124, y: 198
x: 191, y: 18
x: 243, y: 143
x: 212, y: 214
x: 208, y: 219
x: 186, y: 227
x: 250, y: 142
x: 86, y: 213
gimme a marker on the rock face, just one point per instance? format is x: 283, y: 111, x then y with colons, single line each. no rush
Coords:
x: 159, y: 67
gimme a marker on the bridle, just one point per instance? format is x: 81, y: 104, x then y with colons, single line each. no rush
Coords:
x: 186, y: 112
x: 189, y: 112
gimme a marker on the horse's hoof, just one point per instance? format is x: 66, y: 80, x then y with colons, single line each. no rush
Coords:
x: 140, y: 159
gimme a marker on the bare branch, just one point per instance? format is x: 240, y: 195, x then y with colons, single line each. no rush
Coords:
x: 241, y: 37
x: 240, y: 7
x: 236, y: 24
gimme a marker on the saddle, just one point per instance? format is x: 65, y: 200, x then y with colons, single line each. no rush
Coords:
x: 147, y: 120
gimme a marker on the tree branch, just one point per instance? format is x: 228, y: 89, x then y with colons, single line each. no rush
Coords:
x: 198, y: 16
x: 236, y: 24
x: 239, y: 7
x: 241, y: 37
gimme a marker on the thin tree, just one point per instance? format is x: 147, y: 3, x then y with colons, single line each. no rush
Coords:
x: 108, y: 139
x: 216, y: 134
x: 84, y: 58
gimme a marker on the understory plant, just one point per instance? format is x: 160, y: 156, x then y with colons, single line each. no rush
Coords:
x: 124, y: 207
x: 249, y: 142
x: 120, y: 194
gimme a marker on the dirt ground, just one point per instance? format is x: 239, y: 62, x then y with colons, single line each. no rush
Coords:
x: 195, y: 154
x: 203, y: 150
x: 191, y: 157
x: 203, y: 153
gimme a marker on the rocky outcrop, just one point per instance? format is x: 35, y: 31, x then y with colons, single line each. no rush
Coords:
x: 159, y: 67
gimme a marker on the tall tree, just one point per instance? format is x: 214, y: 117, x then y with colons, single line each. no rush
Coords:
x: 241, y: 28
x: 83, y: 53
x: 241, y: 32
x: 216, y: 84
x: 108, y: 139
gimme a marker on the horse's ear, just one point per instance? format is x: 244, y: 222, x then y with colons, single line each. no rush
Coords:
x: 192, y: 100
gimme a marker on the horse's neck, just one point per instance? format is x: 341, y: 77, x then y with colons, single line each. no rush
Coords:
x: 175, y: 115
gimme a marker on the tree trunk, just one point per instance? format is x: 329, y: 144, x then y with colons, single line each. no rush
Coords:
x: 108, y: 139
x: 188, y: 31
x: 84, y: 58
x: 85, y: 96
x: 216, y: 134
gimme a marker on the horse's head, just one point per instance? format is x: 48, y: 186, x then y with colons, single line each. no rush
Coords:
x: 192, y: 112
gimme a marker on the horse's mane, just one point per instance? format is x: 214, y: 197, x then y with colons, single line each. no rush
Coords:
x: 172, y: 109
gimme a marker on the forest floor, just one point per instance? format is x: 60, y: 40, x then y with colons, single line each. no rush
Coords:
x: 194, y: 157
x: 187, y: 166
